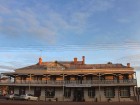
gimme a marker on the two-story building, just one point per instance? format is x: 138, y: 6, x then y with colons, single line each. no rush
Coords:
x: 74, y: 81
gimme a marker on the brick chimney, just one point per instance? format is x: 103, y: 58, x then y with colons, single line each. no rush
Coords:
x: 83, y: 59
x: 75, y: 60
x: 128, y: 64
x: 40, y: 61
x: 55, y: 63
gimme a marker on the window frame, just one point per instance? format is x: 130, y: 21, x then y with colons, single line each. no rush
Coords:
x: 50, y: 92
x: 91, y: 92
x: 125, y: 92
x: 109, y: 92
x: 67, y: 92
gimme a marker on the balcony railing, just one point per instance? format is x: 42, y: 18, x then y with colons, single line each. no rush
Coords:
x: 70, y: 83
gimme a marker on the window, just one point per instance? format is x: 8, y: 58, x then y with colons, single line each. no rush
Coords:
x: 53, y: 78
x: 22, y: 90
x: 125, y: 92
x: 67, y: 92
x: 11, y: 90
x: 109, y: 92
x: 89, y: 77
x: 50, y: 92
x: 91, y: 92
x: 37, y: 91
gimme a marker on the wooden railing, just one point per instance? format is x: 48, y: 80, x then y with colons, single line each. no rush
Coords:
x: 71, y: 82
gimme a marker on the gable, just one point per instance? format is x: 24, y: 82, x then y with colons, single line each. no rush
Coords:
x: 55, y: 66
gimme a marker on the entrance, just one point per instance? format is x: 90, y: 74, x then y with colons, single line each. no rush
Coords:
x: 78, y: 94
x: 37, y: 91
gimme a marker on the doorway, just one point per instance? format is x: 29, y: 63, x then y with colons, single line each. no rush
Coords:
x: 78, y: 94
x: 37, y: 91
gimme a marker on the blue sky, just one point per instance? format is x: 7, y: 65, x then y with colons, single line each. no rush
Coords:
x: 102, y: 30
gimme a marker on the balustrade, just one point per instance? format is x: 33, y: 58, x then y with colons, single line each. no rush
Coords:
x: 71, y: 82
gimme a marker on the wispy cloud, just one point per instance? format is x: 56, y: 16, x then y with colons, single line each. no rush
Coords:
x: 6, y: 67
x: 124, y: 20
x: 134, y: 59
x: 4, y: 10
x: 46, y: 23
x: 1, y: 20
x: 28, y: 22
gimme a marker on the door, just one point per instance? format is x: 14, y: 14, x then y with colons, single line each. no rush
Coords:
x: 37, y: 91
x: 78, y: 94
x: 22, y: 90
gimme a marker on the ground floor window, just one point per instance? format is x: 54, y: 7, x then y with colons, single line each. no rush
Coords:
x: 22, y: 90
x: 3, y: 90
x: 91, y: 92
x: 11, y: 90
x: 67, y: 92
x: 0, y: 91
x: 109, y: 92
x: 125, y: 91
x: 78, y: 94
x: 50, y: 92
x: 37, y: 91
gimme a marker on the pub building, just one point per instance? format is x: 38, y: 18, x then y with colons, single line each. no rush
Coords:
x: 73, y: 81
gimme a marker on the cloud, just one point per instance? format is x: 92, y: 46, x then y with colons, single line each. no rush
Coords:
x: 90, y: 6
x: 131, y: 57
x: 102, y: 5
x: 137, y: 68
x: 124, y: 20
x: 5, y: 70
x: 13, y: 60
x: 29, y: 22
x: 4, y: 10
x: 24, y: 23
x: 134, y: 59
x: 47, y: 25
x: 1, y: 20
x: 6, y: 67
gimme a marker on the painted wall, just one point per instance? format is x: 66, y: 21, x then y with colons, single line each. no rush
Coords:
x: 59, y: 94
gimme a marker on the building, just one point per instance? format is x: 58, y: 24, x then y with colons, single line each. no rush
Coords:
x: 3, y: 88
x: 74, y: 81
x: 138, y: 93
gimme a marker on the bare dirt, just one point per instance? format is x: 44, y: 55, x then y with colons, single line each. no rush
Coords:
x: 19, y: 102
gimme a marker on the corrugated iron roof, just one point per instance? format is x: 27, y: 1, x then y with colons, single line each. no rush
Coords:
x: 71, y: 65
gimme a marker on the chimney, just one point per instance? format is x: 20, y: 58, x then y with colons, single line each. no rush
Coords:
x: 83, y: 59
x: 75, y: 60
x: 55, y: 63
x: 40, y: 61
x: 128, y: 64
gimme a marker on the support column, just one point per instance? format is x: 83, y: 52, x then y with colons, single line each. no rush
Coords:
x: 99, y: 88
x: 29, y: 83
x: 63, y: 85
x: 118, y: 94
x: 136, y: 89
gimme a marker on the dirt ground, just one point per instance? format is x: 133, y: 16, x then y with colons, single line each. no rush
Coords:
x: 16, y: 102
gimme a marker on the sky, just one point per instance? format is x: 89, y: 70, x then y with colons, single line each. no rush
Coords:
x: 101, y: 30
